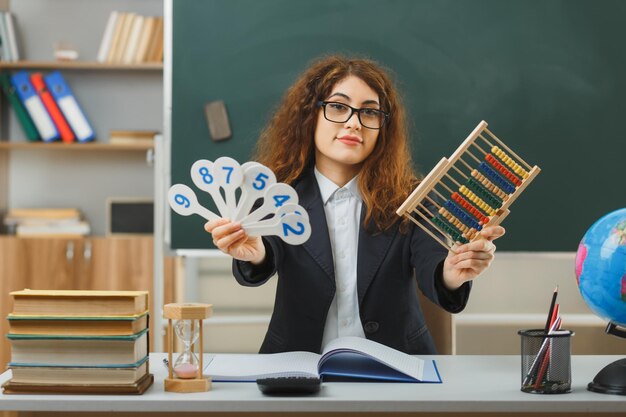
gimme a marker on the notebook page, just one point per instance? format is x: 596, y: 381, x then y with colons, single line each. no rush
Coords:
x: 244, y: 367
x: 400, y: 361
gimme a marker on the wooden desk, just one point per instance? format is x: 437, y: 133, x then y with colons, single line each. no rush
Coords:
x: 471, y: 384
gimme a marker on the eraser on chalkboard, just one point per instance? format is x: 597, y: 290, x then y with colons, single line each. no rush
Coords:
x: 217, y: 118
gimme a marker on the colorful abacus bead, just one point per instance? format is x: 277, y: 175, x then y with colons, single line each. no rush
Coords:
x: 502, y: 169
x: 483, y: 193
x: 509, y: 162
x: 495, y: 177
x: 462, y: 215
x: 477, y: 201
x: 453, y: 220
x: 489, y: 185
x: 470, y: 208
x: 443, y: 225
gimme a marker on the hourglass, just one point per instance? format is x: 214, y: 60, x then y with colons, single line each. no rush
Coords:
x: 185, y: 373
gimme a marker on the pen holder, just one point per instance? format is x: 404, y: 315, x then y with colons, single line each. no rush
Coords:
x: 546, y: 361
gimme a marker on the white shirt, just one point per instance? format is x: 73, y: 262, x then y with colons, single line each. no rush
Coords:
x: 342, y: 207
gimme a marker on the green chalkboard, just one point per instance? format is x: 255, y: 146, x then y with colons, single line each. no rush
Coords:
x: 549, y: 76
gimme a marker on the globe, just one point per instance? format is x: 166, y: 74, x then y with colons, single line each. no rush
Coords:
x: 601, y: 267
x: 601, y: 277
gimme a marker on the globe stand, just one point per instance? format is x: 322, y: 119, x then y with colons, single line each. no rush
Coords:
x: 612, y: 378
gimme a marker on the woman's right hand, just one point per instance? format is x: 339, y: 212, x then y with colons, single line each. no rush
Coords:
x: 230, y: 238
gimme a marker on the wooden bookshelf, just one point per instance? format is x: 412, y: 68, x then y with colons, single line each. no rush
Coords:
x: 59, y: 146
x: 82, y: 175
x: 81, y: 65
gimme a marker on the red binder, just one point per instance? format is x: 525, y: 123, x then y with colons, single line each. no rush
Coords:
x: 51, y: 106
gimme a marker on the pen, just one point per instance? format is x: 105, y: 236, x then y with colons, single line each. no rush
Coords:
x: 551, y: 310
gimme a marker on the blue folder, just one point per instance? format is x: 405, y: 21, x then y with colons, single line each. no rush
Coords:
x: 69, y: 106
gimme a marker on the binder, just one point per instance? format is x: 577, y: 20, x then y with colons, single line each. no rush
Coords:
x: 20, y: 111
x: 69, y: 107
x: 55, y: 113
x: 25, y: 91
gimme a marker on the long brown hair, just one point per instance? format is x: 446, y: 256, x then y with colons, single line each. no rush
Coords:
x: 287, y: 146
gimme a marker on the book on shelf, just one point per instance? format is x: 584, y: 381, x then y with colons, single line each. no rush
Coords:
x: 107, y: 37
x: 131, y: 38
x: 73, y: 325
x: 35, y: 107
x: 45, y: 222
x: 147, y: 32
x: 132, y: 137
x: 155, y: 49
x: 55, y: 375
x: 64, y: 213
x: 79, y: 303
x: 12, y: 224
x: 124, y: 36
x: 56, y: 228
x: 78, y: 351
x: 12, y: 40
x: 346, y: 358
x: 30, y: 130
x: 115, y: 38
x: 136, y: 388
x: 69, y: 106
x: 5, y: 49
x: 38, y: 216
x: 53, y: 109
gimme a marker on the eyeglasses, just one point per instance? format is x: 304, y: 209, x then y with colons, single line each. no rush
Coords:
x: 340, y: 113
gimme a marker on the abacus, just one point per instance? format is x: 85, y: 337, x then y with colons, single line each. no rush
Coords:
x: 487, y: 175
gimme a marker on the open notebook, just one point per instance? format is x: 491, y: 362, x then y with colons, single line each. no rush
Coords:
x: 346, y: 358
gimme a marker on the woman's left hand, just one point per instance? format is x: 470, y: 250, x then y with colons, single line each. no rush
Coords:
x: 466, y: 262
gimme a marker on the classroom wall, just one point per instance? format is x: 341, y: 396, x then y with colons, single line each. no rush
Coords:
x: 513, y: 294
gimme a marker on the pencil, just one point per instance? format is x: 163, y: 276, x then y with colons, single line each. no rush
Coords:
x: 534, y: 367
x: 551, y: 311
x: 555, y: 324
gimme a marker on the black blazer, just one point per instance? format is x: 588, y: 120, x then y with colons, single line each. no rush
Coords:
x: 387, y: 267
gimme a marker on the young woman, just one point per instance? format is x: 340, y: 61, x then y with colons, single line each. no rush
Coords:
x: 339, y: 137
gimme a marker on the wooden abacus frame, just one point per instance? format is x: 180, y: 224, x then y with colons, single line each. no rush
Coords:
x: 512, y: 176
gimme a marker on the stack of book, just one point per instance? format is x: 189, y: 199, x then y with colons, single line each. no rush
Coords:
x: 46, y: 107
x: 46, y: 222
x: 130, y: 38
x: 79, y: 342
x: 132, y: 137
